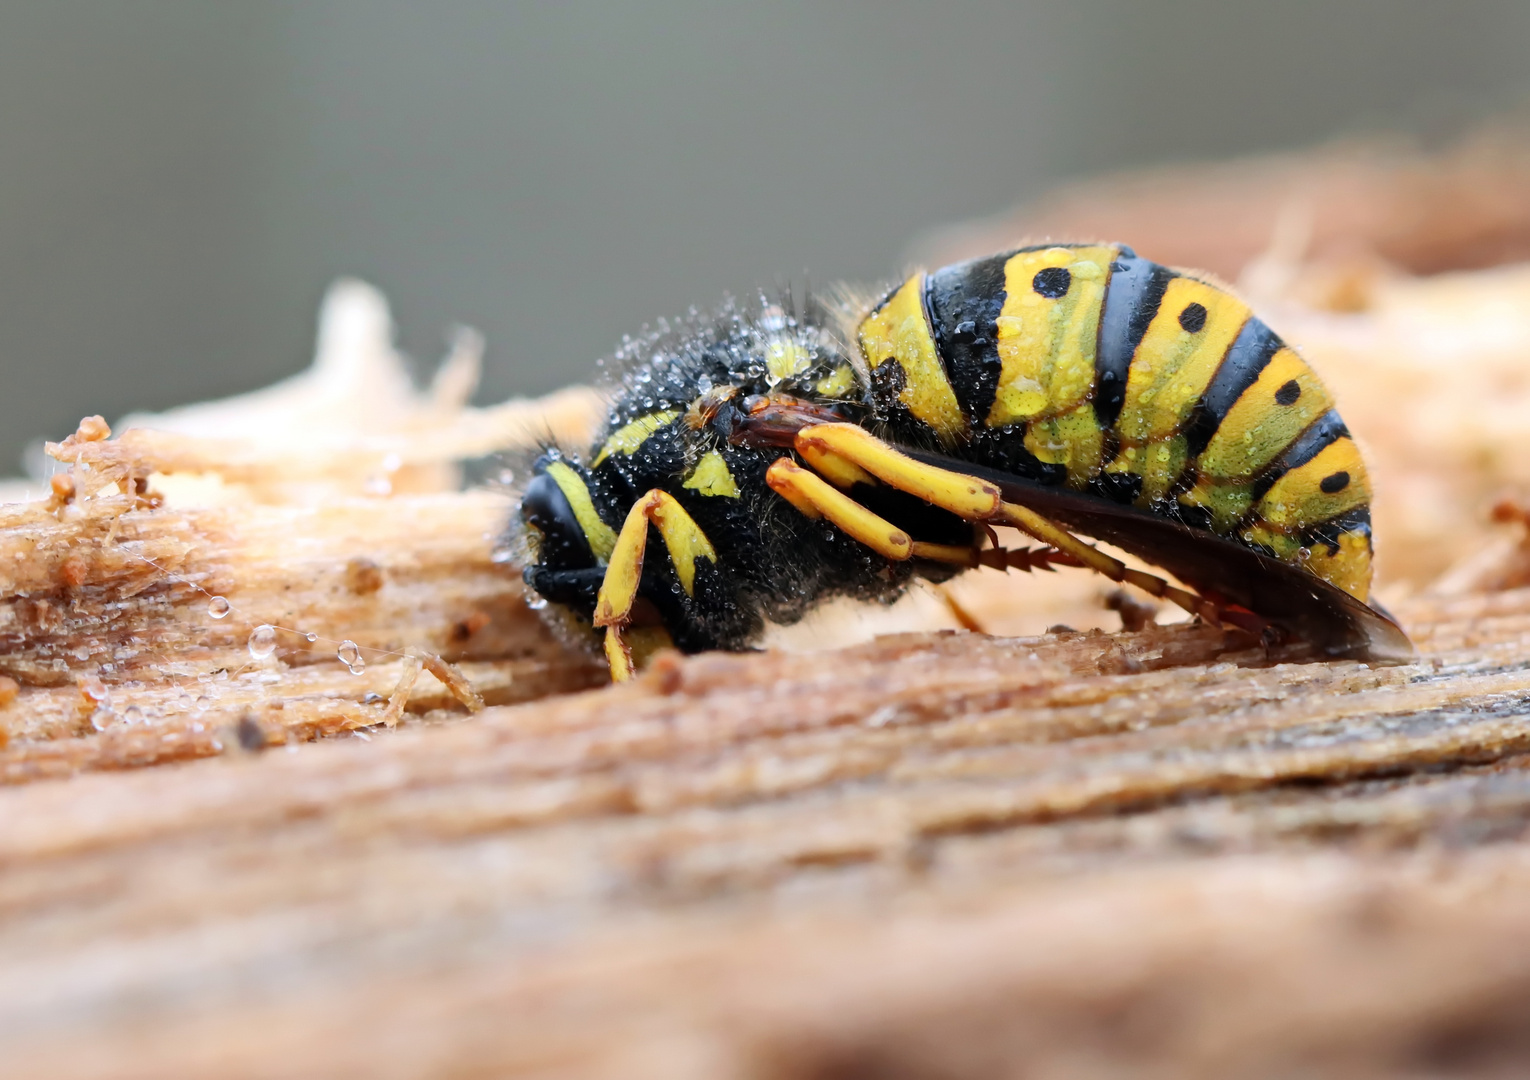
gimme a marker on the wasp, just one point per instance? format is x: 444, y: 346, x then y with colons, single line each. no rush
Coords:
x: 755, y: 462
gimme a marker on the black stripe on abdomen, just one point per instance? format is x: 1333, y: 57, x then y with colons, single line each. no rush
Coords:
x: 964, y: 302
x: 1131, y: 301
x: 1357, y: 520
x: 1250, y: 352
x: 1321, y: 433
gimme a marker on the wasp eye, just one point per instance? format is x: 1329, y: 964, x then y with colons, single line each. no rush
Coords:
x: 545, y: 508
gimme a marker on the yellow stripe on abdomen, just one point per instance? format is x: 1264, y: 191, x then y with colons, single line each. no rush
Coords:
x: 1176, y: 359
x: 1047, y: 331
x: 1172, y: 366
x: 899, y: 332
x: 1334, y: 482
x: 1347, y: 565
x: 1293, y: 513
x: 1281, y: 403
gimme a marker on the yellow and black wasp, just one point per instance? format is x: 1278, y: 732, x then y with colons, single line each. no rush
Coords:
x: 780, y: 456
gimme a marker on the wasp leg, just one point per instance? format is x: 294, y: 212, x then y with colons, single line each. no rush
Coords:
x: 837, y: 470
x: 965, y: 496
x: 843, y: 473
x: 846, y: 455
x: 954, y: 554
x: 975, y: 500
x: 998, y: 558
x: 964, y: 618
x: 1054, y: 535
x: 618, y: 590
x: 815, y: 498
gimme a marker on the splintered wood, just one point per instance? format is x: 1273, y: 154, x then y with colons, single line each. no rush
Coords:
x: 134, y: 632
x: 298, y: 784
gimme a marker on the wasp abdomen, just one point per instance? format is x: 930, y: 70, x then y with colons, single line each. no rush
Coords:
x: 1089, y: 366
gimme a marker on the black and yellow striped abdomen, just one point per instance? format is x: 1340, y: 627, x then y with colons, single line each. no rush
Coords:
x: 1087, y: 367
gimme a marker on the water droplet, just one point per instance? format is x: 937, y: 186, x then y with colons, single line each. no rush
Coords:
x: 310, y: 637
x: 535, y: 601
x: 350, y: 655
x: 219, y: 606
x: 102, y: 718
x: 94, y: 689
x: 132, y: 715
x: 262, y: 641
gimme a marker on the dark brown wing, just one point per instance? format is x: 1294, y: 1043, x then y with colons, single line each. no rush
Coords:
x: 1299, y: 602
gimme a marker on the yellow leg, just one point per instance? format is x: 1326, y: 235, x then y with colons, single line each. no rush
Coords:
x: 618, y: 589
x: 618, y: 655
x: 833, y: 468
x: 815, y: 498
x: 973, y: 499
x: 948, y: 553
x: 964, y: 496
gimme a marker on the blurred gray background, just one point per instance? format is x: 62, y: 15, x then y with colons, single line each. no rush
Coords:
x: 179, y: 180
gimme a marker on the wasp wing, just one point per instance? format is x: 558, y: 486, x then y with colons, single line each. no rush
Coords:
x: 1288, y: 596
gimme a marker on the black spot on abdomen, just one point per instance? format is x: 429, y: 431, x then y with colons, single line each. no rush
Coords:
x: 1193, y: 319
x: 1052, y: 281
x: 1334, y: 483
x: 1288, y: 393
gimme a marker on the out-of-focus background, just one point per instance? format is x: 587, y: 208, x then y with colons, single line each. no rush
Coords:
x: 179, y: 181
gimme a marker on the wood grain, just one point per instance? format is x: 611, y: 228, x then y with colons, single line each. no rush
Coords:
x: 931, y: 855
